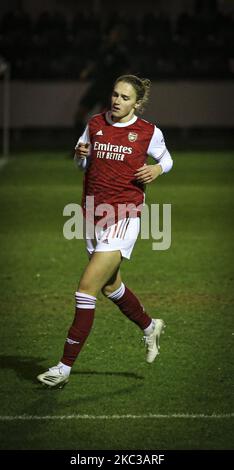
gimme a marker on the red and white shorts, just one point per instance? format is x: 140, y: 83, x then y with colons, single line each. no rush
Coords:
x: 120, y: 236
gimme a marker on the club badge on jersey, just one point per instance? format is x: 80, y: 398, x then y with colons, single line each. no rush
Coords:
x: 132, y: 136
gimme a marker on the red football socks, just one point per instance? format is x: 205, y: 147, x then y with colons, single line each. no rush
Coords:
x: 130, y: 306
x: 80, y: 329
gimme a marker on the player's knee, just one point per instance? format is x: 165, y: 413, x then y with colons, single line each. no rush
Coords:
x: 104, y: 291
x: 107, y: 290
x: 85, y: 287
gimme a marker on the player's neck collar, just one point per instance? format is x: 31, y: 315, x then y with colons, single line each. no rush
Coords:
x: 120, y: 124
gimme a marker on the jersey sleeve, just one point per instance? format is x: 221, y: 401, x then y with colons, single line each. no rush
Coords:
x: 158, y: 150
x: 85, y: 139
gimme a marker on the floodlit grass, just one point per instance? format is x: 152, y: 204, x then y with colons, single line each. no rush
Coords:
x: 190, y: 286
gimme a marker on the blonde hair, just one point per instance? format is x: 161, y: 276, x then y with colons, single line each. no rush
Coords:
x: 141, y: 87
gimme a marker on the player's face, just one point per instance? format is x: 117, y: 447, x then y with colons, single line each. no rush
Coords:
x: 123, y: 102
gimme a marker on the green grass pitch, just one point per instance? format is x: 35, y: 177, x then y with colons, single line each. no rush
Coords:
x: 190, y: 286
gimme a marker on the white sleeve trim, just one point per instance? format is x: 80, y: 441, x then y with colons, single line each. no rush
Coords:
x: 82, y: 163
x: 157, y: 149
x: 85, y: 139
x: 166, y: 162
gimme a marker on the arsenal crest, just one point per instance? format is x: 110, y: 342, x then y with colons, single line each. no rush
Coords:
x: 132, y: 136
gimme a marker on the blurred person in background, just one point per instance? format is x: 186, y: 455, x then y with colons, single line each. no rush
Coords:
x: 111, y: 61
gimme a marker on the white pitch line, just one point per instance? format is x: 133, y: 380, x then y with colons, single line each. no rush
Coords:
x: 109, y: 417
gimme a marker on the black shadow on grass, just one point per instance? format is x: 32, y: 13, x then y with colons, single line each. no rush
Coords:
x: 130, y: 375
x: 28, y: 367
x: 25, y: 367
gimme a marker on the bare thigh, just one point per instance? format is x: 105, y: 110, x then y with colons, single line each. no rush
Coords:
x: 100, y: 269
x: 113, y: 283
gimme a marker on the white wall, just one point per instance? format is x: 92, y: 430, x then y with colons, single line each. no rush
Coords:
x: 172, y: 104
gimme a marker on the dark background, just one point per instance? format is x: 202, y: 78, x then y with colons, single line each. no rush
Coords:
x: 89, y: 43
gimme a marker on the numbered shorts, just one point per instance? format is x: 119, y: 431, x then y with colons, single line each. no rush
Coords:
x: 120, y: 236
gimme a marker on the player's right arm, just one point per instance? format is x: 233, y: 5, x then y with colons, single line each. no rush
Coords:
x: 83, y: 149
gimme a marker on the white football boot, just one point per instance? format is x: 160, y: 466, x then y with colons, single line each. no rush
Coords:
x: 152, y: 341
x: 54, y: 377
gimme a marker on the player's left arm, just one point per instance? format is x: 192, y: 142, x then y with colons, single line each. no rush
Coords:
x: 157, y: 149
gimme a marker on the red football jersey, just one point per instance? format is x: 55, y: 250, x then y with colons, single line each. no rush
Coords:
x: 117, y: 151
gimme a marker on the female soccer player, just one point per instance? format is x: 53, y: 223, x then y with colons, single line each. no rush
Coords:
x: 113, y: 151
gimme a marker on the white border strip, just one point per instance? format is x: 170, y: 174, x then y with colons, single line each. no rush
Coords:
x: 109, y: 417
